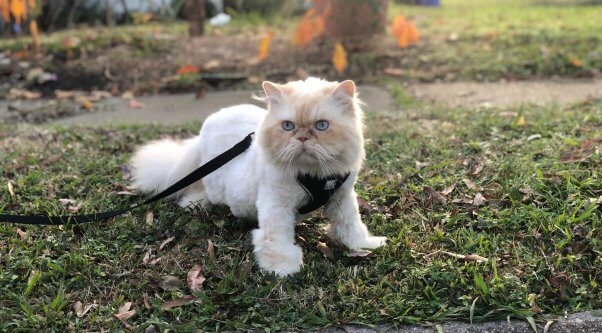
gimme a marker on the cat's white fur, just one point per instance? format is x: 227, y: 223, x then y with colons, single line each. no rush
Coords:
x: 256, y: 184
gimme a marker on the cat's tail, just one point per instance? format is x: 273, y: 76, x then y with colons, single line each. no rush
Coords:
x: 159, y: 164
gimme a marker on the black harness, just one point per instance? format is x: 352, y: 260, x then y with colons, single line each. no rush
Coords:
x: 319, y: 191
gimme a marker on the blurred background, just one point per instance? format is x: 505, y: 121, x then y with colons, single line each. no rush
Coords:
x: 78, y: 52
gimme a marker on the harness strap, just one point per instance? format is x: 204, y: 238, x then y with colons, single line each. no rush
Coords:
x: 319, y: 190
x: 193, y: 177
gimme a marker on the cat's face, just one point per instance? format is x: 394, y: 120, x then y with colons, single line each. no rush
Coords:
x: 313, y: 126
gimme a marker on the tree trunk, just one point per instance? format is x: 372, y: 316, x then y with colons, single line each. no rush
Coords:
x: 353, y: 22
x: 195, y: 14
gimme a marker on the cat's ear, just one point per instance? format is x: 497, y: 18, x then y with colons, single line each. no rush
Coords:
x: 345, y: 89
x: 271, y: 89
x: 272, y: 92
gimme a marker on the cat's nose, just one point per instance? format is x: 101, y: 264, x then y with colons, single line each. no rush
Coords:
x: 302, y: 138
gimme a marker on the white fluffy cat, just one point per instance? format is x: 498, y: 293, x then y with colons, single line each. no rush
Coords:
x: 310, y: 127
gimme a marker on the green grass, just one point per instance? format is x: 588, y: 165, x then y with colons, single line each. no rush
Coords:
x: 541, y: 230
x: 490, y: 40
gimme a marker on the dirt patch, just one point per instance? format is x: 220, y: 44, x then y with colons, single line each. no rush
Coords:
x: 505, y: 94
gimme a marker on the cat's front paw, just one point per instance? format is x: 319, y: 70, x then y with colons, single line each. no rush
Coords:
x: 276, y: 256
x: 369, y: 242
x: 372, y: 242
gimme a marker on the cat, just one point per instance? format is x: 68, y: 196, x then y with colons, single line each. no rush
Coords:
x: 311, y: 127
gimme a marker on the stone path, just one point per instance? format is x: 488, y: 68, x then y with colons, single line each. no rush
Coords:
x: 181, y: 108
x: 474, y: 94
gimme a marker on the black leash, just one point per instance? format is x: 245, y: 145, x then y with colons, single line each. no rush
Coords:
x: 193, y: 177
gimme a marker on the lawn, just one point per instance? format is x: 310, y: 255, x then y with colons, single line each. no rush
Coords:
x: 518, y: 190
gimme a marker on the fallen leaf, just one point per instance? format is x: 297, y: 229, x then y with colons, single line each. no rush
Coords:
x: 125, y: 313
x: 325, y: 250
x: 339, y: 58
x: 97, y: 95
x: 147, y: 257
x: 15, y: 93
x: 86, y: 104
x: 80, y: 310
x: 70, y: 42
x: 127, y: 95
x: 532, y: 298
x: 359, y: 253
x: 446, y: 191
x: 469, y: 257
x: 477, y: 169
x: 576, y: 62
x: 149, y: 217
x: 211, y: 251
x: 195, y: 278
x: 170, y: 283
x: 479, y: 200
x: 421, y: 165
x: 211, y: 64
x: 393, y: 71
x: 10, y: 189
x: 64, y: 94
x: 528, y: 193
x: 165, y: 242
x: 71, y: 205
x: 187, y: 69
x: 549, y: 323
x: 125, y: 193
x: 178, y: 302
x: 471, y: 185
x: 134, y: 104
x: 533, y: 137
x: 22, y: 234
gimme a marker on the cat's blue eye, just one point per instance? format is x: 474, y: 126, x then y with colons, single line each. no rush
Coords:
x: 322, y: 125
x: 288, y: 125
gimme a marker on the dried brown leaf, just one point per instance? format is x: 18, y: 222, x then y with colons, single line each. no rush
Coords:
x: 22, y: 234
x: 125, y: 313
x: 11, y: 190
x: 165, y: 242
x: 471, y: 185
x: 149, y: 217
x: 446, y: 191
x: 178, y: 302
x: 195, y: 278
x: 80, y: 310
x: 170, y: 283
x: 469, y: 257
x: 479, y: 200
x: 211, y: 251
x: 325, y: 250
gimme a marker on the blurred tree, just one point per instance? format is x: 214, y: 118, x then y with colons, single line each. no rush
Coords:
x: 353, y: 22
x: 195, y: 14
